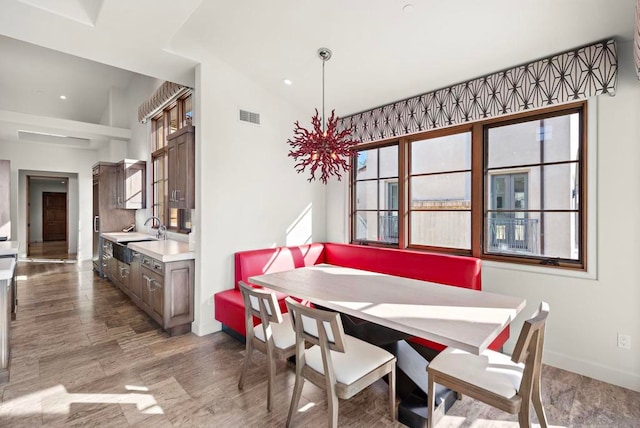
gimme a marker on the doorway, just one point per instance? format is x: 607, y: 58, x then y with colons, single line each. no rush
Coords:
x: 47, y: 218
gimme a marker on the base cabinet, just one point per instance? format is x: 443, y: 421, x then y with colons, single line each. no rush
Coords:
x: 163, y: 290
x: 135, y: 280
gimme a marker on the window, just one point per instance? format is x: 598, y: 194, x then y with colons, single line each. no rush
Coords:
x: 376, y: 195
x: 506, y: 189
x: 174, y: 116
x: 440, y: 191
x: 509, y: 227
x: 533, y: 172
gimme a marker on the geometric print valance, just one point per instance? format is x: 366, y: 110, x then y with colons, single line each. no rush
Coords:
x: 165, y: 93
x: 573, y: 75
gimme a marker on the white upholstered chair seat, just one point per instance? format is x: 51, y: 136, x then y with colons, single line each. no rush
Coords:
x: 361, y: 358
x: 491, y: 371
x: 284, y: 336
x: 509, y: 383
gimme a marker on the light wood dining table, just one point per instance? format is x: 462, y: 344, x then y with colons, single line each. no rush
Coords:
x: 453, y: 316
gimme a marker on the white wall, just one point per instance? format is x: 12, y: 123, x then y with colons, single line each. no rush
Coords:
x: 587, y: 311
x: 248, y: 194
x: 36, y: 189
x: 47, y: 159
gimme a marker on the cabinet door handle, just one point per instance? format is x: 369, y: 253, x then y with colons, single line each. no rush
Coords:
x: 178, y: 198
x: 95, y: 223
x: 146, y: 278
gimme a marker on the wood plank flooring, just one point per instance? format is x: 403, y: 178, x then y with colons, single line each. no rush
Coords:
x: 83, y: 355
x: 52, y: 250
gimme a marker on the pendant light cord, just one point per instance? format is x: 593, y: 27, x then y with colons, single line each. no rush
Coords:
x: 323, y: 117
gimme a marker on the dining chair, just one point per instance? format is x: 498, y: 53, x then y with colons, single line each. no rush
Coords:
x: 274, y: 335
x: 507, y: 383
x: 341, y: 364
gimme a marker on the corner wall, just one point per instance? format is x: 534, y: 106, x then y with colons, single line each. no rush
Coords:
x: 248, y: 194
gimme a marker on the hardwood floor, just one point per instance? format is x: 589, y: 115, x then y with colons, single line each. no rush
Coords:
x: 83, y: 355
x: 52, y: 250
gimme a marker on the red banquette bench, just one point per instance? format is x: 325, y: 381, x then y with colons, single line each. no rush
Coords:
x: 456, y: 271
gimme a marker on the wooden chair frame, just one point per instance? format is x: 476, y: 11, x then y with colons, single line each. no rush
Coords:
x: 528, y: 350
x: 327, y: 332
x: 264, y: 305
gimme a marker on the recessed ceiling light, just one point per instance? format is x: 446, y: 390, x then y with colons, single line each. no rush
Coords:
x: 63, y: 97
x: 407, y: 8
x: 287, y: 82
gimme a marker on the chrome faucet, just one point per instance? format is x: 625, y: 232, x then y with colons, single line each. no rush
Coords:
x: 162, y: 229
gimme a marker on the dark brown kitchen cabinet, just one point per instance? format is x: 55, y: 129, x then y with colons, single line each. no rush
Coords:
x: 131, y: 178
x: 181, y: 171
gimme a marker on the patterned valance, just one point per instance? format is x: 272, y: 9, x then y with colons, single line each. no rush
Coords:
x: 573, y: 75
x: 160, y: 97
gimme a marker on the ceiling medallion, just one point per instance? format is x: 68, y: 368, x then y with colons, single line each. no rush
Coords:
x: 324, y: 147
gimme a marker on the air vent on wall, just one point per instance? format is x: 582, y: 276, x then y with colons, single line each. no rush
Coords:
x: 247, y: 116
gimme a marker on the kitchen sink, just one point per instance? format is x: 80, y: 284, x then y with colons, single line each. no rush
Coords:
x: 126, y: 237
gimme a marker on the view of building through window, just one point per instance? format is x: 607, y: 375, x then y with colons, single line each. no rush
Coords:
x: 529, y: 200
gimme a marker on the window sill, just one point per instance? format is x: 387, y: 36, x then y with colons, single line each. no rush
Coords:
x: 589, y: 274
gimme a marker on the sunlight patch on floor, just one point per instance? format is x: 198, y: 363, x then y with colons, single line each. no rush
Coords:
x: 56, y: 400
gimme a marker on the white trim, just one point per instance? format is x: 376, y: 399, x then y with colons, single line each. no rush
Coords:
x: 601, y: 372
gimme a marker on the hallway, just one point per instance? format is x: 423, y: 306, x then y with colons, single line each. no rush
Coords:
x: 83, y: 355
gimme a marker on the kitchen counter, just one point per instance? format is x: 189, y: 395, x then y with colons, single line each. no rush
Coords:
x: 128, y: 236
x: 9, y: 248
x: 7, y: 267
x: 164, y: 250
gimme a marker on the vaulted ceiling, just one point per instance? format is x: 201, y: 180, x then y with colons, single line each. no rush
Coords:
x: 383, y: 50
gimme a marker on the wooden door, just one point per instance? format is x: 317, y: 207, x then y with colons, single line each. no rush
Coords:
x: 54, y: 216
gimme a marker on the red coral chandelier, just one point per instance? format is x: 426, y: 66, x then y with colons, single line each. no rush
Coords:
x: 323, y: 147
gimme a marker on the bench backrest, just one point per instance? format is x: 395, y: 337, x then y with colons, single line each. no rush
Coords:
x: 269, y: 260
x: 459, y: 271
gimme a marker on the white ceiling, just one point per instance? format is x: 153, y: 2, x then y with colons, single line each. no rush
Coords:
x: 380, y: 53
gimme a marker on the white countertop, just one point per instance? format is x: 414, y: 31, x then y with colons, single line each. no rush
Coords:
x: 127, y: 236
x: 164, y: 250
x: 9, y: 248
x: 7, y: 266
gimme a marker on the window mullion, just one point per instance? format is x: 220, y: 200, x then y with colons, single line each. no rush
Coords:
x: 477, y: 189
x: 403, y: 193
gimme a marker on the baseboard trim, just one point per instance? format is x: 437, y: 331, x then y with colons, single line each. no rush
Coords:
x: 202, y: 329
x: 593, y: 370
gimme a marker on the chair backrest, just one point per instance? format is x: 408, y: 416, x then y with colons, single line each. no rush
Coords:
x: 317, y: 326
x: 531, y: 339
x: 528, y: 350
x: 260, y: 303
